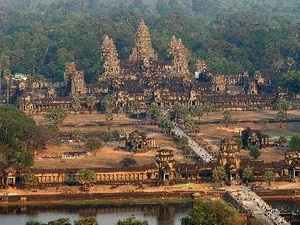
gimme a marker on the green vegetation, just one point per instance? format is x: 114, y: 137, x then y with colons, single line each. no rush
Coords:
x: 132, y: 221
x: 269, y: 176
x: 39, y: 37
x: 86, y: 178
x: 30, y: 180
x: 227, y: 116
x: 208, y: 211
x: 219, y: 174
x: 64, y: 221
x: 254, y: 151
x: 128, y: 162
x: 20, y: 136
x: 55, y: 116
x: 93, y: 144
x: 294, y: 143
x: 247, y: 174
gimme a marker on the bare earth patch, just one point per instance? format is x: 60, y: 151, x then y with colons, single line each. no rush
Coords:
x: 211, y: 133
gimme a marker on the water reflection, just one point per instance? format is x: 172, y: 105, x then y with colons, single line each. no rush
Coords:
x: 291, y: 206
x: 155, y: 214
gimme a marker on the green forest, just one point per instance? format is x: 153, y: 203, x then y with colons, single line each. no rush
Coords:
x: 40, y: 36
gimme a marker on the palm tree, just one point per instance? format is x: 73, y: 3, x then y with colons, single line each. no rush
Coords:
x: 282, y: 107
x: 269, y: 176
x: 226, y: 117
x: 109, y: 118
x: 219, y: 174
x: 108, y: 103
x: 207, y: 107
x: 76, y: 103
x: 280, y: 115
x: 135, y: 139
x: 77, y: 135
x: 179, y: 111
x: 247, y: 174
x: 199, y: 112
x: 135, y: 106
x: 90, y: 102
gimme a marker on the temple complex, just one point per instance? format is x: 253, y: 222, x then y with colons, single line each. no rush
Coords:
x: 165, y: 170
x: 144, y: 78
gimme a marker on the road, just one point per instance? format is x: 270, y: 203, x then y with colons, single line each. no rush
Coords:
x: 198, y: 149
x: 258, y: 207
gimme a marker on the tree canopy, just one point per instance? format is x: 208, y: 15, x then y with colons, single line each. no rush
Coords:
x: 39, y: 37
x: 19, y: 135
x: 208, y: 211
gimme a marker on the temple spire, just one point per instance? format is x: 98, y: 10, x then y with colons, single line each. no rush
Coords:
x: 143, y: 50
x: 109, y: 55
x: 180, y: 56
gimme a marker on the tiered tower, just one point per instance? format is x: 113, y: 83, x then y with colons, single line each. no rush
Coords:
x: 180, y: 57
x: 75, y: 79
x: 143, y: 50
x: 109, y: 55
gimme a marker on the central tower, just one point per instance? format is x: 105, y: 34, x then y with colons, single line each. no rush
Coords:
x: 143, y: 50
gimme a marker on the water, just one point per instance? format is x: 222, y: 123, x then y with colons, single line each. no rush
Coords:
x: 155, y: 214
x: 292, y: 205
x: 162, y: 214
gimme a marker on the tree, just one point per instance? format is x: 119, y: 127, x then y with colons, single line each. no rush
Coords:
x: 93, y: 144
x: 32, y: 222
x: 291, y: 81
x: 108, y: 103
x: 199, y: 112
x: 132, y: 221
x: 86, y: 221
x: 247, y: 174
x: 20, y: 135
x: 212, y: 211
x: 77, y: 135
x: 183, y: 142
x: 90, y: 102
x: 294, y: 143
x: 280, y: 116
x: 226, y: 117
x: 106, y: 135
x: 282, y: 107
x: 135, y: 139
x: 179, y: 111
x: 60, y: 221
x: 254, y: 152
x: 109, y: 118
x: 154, y: 111
x: 269, y: 176
x: 207, y: 107
x: 76, y: 103
x: 166, y: 124
x: 30, y: 180
x: 86, y: 178
x: 55, y: 116
x: 219, y: 174
x: 281, y: 141
x: 128, y: 162
x: 25, y: 158
x: 135, y: 106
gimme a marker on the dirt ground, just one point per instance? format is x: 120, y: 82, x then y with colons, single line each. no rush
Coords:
x: 211, y: 133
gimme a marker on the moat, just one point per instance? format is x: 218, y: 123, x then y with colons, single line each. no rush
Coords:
x: 155, y: 214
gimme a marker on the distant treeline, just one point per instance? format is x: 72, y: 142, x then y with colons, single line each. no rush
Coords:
x: 40, y: 36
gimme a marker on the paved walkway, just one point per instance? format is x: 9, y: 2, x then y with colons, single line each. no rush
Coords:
x: 198, y: 149
x: 258, y: 207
